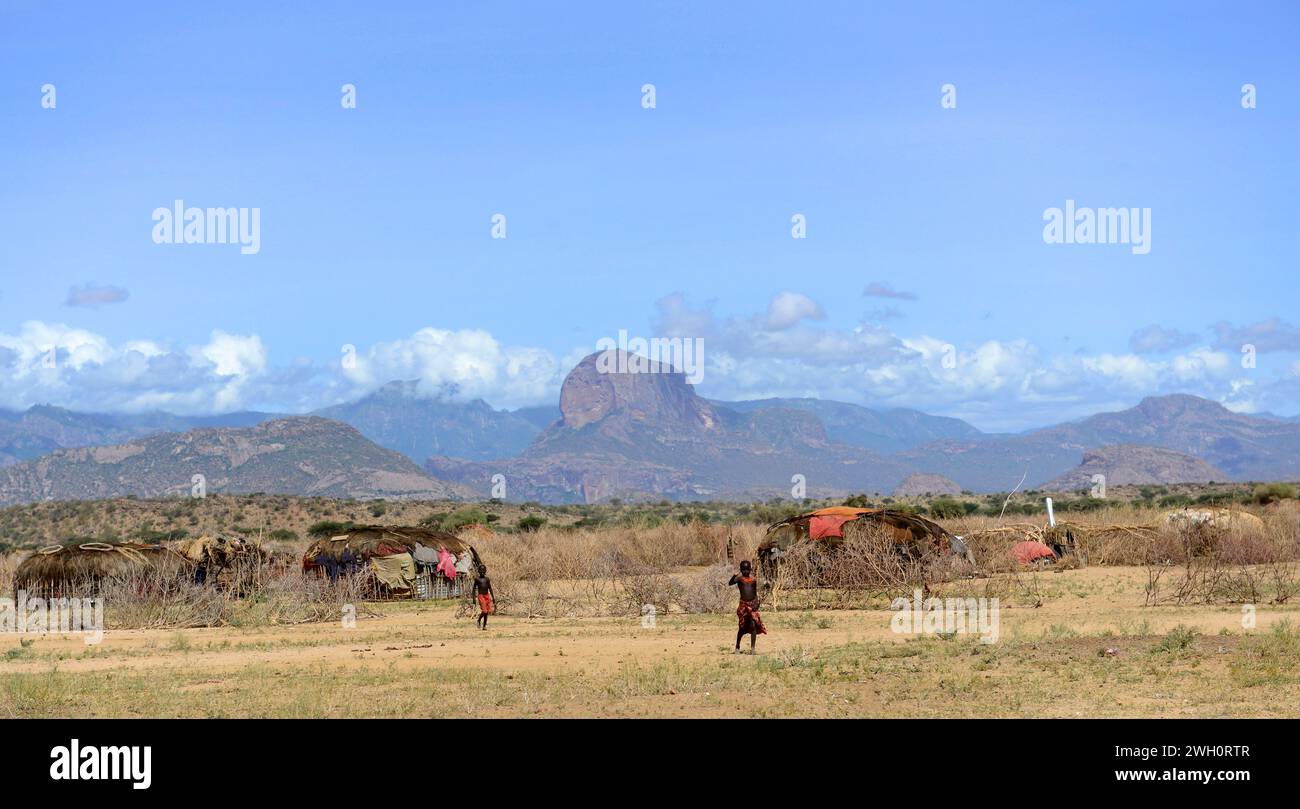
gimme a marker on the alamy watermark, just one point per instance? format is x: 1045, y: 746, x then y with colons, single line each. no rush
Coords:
x: 662, y: 355
x: 53, y: 616
x: 946, y: 616
x: 1073, y: 225
x: 77, y: 762
x: 181, y: 225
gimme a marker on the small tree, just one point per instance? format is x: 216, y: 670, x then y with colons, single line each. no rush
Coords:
x: 946, y: 508
x: 530, y: 523
x: 1267, y: 493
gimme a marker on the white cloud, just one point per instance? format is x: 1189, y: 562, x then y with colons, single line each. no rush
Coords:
x: 789, y: 308
x: 469, y: 363
x: 1000, y: 384
x: 779, y: 351
x: 75, y: 368
x: 234, y: 355
x: 78, y: 369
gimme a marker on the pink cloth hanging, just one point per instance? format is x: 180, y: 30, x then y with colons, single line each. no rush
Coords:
x: 446, y: 563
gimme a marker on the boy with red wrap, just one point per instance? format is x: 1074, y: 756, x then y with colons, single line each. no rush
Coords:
x: 751, y: 623
x: 483, y: 589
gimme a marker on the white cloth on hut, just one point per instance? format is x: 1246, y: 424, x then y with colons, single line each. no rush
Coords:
x: 426, y: 556
x: 465, y: 562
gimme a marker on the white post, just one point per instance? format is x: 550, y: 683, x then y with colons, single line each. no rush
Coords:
x: 1051, y: 518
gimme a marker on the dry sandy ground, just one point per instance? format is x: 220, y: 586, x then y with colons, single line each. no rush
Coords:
x: 421, y: 660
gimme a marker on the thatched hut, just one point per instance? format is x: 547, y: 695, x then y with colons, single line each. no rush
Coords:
x: 79, y: 569
x: 404, y: 561
x: 233, y: 563
x: 914, y: 536
x: 1213, y: 519
x: 219, y: 558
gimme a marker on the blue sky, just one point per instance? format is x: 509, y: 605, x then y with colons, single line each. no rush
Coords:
x: 375, y: 221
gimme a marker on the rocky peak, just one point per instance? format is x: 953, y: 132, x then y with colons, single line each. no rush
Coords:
x: 610, y: 383
x: 923, y: 483
x: 1179, y: 407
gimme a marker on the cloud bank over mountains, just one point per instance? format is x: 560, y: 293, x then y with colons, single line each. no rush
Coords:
x: 786, y: 350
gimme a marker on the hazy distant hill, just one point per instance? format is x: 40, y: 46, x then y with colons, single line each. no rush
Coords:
x: 880, y: 430
x: 393, y: 416
x: 1245, y: 447
x: 43, y: 428
x: 397, y: 417
x: 298, y: 455
x: 1134, y: 464
x: 923, y: 484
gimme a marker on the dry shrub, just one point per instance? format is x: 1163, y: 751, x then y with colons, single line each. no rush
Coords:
x: 745, y: 539
x: 866, y: 565
x: 600, y: 553
x: 707, y: 591
x: 1131, y: 536
x: 155, y: 599
x: 637, y: 591
x: 992, y: 549
x: 8, y: 564
x: 285, y: 597
x: 1200, y: 565
x: 558, y: 572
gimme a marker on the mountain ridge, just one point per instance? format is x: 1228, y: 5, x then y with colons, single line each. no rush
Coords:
x: 303, y: 455
x: 651, y: 435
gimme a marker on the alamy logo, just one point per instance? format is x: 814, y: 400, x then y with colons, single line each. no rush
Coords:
x: 91, y: 763
x: 946, y: 616
x: 661, y: 355
x: 1131, y: 226
x: 53, y: 616
x: 181, y: 225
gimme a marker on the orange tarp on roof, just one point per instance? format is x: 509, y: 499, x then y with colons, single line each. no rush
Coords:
x: 831, y: 525
x: 829, y: 522
x: 1029, y: 551
x: 846, y: 511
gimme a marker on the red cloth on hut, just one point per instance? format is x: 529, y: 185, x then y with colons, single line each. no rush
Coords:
x: 828, y: 525
x: 1027, y: 552
x: 446, y: 563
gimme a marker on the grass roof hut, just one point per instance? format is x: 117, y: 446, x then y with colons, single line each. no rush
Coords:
x: 397, y: 557
x: 912, y: 534
x: 80, y: 569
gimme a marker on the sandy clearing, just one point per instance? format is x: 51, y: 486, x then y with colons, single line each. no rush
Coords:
x: 410, y: 636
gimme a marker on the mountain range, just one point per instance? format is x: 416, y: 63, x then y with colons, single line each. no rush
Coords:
x: 629, y: 435
x: 302, y: 455
x: 1245, y: 447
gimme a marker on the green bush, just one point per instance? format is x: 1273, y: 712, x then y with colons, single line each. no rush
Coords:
x: 1266, y: 493
x: 530, y: 523
x: 458, y: 519
x: 329, y: 528
x: 946, y: 508
x: 1082, y: 504
x: 1178, y: 638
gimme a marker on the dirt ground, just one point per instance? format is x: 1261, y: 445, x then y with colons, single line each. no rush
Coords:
x: 1090, y: 649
